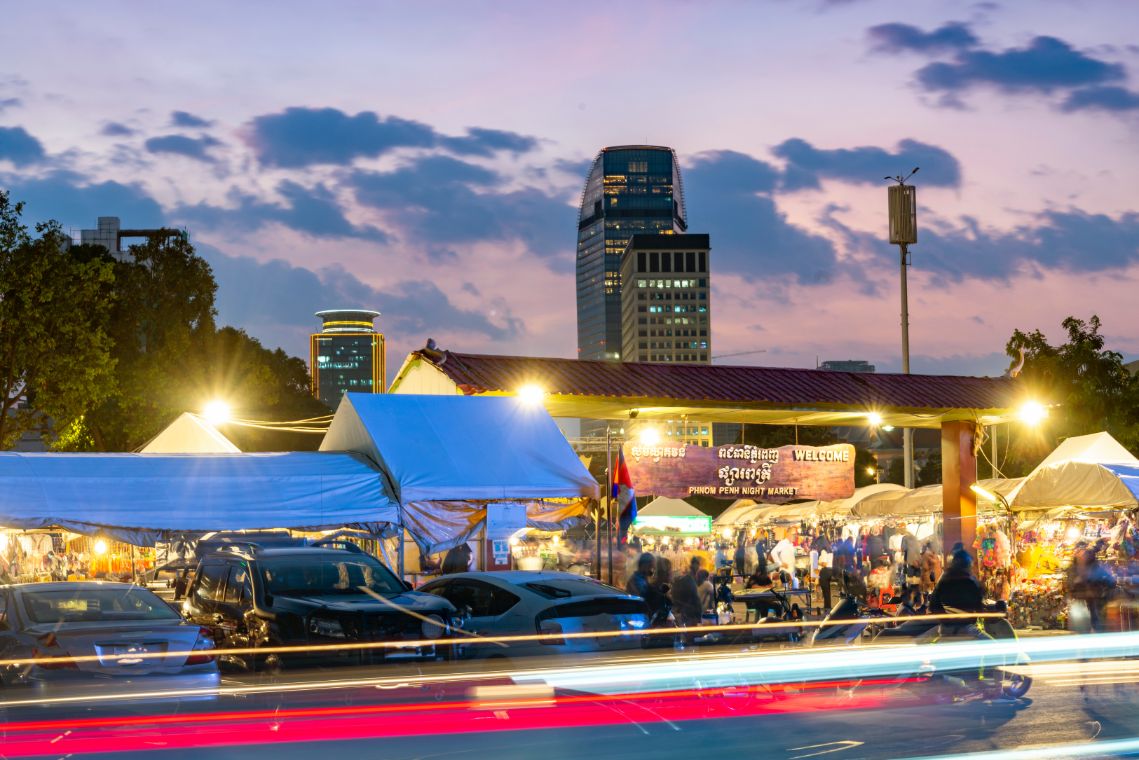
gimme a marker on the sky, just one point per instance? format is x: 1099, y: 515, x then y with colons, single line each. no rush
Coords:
x: 425, y: 159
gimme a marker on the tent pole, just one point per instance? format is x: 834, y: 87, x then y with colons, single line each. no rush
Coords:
x: 399, y: 551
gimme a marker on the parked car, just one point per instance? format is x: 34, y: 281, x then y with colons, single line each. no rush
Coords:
x: 112, y: 622
x: 517, y: 603
x: 299, y: 596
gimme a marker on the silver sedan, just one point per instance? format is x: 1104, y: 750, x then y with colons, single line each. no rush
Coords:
x: 92, y: 635
x: 520, y: 603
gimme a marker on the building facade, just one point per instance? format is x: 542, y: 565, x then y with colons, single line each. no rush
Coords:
x: 847, y: 365
x: 665, y: 299
x: 110, y: 234
x: 630, y: 189
x: 346, y: 355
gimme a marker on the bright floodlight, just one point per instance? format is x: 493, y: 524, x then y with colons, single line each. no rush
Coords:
x: 649, y: 436
x: 871, y: 471
x: 216, y: 412
x: 531, y: 395
x: 100, y: 547
x: 984, y: 493
x: 874, y: 419
x: 1032, y: 413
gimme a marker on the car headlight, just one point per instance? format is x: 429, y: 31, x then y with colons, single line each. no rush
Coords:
x: 324, y: 627
x: 433, y: 627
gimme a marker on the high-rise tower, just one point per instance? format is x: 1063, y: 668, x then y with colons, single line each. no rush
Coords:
x: 630, y: 189
x: 347, y: 355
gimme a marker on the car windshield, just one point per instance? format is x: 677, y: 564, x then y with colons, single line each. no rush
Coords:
x: 561, y: 588
x: 327, y: 575
x: 87, y: 604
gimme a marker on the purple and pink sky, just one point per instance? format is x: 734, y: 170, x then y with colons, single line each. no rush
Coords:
x: 426, y: 159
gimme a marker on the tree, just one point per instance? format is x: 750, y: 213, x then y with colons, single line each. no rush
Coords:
x: 55, y: 351
x: 1093, y: 390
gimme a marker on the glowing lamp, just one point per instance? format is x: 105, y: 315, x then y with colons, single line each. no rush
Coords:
x: 531, y: 395
x: 1032, y: 413
x: 100, y: 547
x: 649, y: 436
x: 874, y: 419
x: 216, y: 412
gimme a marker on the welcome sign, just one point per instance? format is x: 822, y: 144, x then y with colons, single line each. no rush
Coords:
x: 775, y: 475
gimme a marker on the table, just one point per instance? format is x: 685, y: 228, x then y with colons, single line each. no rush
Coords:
x: 764, y: 600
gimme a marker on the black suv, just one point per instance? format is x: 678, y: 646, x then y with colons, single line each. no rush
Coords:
x: 251, y: 597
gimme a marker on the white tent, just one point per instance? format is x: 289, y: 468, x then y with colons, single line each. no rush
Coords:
x: 919, y: 501
x: 662, y: 506
x: 735, y: 510
x: 449, y: 459
x: 1076, y: 475
x: 190, y: 434
x: 138, y: 496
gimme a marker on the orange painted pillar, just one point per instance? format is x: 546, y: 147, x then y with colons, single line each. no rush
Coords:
x: 958, y: 472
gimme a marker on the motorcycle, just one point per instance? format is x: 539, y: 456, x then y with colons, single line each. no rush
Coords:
x: 851, y: 620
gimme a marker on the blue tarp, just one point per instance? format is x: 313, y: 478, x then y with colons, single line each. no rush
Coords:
x: 1128, y: 475
x: 185, y: 493
x: 461, y: 448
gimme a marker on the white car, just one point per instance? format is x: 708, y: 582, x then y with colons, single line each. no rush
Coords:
x: 520, y: 603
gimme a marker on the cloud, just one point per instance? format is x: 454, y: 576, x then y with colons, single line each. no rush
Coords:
x: 1106, y: 98
x: 728, y: 196
x: 188, y: 120
x: 19, y: 147
x: 69, y: 199
x: 486, y: 142
x: 312, y: 210
x: 298, y: 137
x: 899, y: 38
x: 443, y: 201
x: 276, y: 293
x: 1045, y: 65
x: 196, y: 148
x: 116, y: 129
x: 807, y: 165
x: 6, y: 103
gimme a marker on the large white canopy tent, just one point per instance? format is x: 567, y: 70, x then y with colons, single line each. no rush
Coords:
x: 926, y: 500
x: 141, y: 497
x: 452, y: 461
x: 1080, y: 472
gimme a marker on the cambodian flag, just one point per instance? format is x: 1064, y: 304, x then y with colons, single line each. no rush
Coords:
x: 626, y: 498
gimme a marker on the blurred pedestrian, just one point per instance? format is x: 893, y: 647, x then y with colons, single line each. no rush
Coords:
x: 958, y: 588
x: 706, y: 590
x: 931, y: 565
x: 641, y: 583
x: 685, y: 595
x: 458, y: 560
x: 1092, y: 585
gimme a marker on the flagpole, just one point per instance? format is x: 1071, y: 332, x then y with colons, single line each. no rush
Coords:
x: 609, y: 502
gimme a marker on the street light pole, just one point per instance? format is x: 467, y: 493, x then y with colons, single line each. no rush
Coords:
x: 903, y: 218
x: 907, y: 433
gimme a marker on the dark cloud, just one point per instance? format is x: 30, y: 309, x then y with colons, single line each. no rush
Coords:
x: 1045, y: 65
x: 69, y: 199
x: 252, y: 292
x: 310, y: 210
x: 442, y: 201
x: 19, y: 147
x: 807, y: 165
x: 6, y: 103
x: 196, y: 148
x: 188, y: 120
x: 487, y: 142
x: 728, y: 196
x: 116, y: 129
x: 899, y: 38
x: 1107, y: 98
x: 300, y: 136
x: 1071, y: 241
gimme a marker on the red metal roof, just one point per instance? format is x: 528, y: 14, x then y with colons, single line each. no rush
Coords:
x: 775, y: 386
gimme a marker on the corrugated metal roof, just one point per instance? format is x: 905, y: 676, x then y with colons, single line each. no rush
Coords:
x: 775, y: 386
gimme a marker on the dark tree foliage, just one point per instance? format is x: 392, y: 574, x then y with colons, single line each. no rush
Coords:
x: 1089, y: 383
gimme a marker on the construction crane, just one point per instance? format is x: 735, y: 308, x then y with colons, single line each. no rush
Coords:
x: 740, y: 353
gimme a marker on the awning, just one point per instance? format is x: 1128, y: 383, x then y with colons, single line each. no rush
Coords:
x: 173, y: 493
x: 1079, y: 474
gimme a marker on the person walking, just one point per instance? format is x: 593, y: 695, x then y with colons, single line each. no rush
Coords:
x: 931, y: 566
x: 640, y: 583
x: 685, y: 595
x: 1093, y: 585
x: 958, y: 587
x: 458, y: 560
x: 706, y: 590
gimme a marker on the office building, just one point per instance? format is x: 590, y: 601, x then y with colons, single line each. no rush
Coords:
x: 630, y: 189
x: 665, y: 299
x: 109, y: 233
x: 847, y: 365
x: 346, y: 355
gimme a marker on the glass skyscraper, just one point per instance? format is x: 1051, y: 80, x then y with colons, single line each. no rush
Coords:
x: 630, y: 189
x: 346, y: 355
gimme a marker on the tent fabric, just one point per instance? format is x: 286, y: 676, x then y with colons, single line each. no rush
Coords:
x: 1128, y: 475
x: 437, y: 526
x: 142, y: 495
x: 453, y: 448
x: 919, y: 501
x: 730, y: 515
x: 190, y: 434
x: 663, y: 506
x: 1076, y: 474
